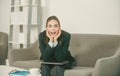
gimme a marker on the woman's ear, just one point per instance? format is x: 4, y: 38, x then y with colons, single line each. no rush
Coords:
x: 46, y: 28
x: 60, y: 28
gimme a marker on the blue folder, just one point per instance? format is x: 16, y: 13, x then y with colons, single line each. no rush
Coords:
x: 19, y: 73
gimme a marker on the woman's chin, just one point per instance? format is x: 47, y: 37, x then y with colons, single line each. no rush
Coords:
x: 53, y: 35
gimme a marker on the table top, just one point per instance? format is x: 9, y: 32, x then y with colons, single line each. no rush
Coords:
x: 5, y: 70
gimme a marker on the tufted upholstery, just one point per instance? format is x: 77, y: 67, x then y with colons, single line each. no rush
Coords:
x: 89, y: 50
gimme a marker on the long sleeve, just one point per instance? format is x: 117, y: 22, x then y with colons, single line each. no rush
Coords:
x: 61, y: 50
x: 46, y: 50
x: 62, y: 53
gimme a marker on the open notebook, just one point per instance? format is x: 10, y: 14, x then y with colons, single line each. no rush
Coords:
x: 55, y: 63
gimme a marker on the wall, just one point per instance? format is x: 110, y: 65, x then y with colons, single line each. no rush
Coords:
x: 76, y: 16
x: 87, y: 16
x: 4, y: 15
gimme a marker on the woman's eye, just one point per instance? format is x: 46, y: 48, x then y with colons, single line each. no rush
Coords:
x: 50, y: 25
x: 56, y: 25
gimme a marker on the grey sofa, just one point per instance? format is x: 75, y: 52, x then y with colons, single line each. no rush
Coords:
x: 95, y: 55
x: 3, y: 47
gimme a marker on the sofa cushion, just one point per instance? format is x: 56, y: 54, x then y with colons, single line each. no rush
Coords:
x: 79, y: 71
x: 27, y: 64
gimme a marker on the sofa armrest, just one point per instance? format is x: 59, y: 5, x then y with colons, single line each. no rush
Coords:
x: 3, y: 47
x: 109, y: 66
x: 21, y: 55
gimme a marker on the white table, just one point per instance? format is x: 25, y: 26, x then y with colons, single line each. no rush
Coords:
x: 4, y: 70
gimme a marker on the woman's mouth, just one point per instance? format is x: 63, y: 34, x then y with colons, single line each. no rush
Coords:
x: 53, y: 33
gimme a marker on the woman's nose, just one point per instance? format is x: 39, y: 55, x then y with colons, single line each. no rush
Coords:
x: 53, y: 28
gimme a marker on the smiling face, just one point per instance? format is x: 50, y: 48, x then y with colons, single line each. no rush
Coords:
x: 53, y: 27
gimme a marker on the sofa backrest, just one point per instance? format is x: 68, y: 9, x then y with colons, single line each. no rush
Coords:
x: 88, y: 48
x: 35, y: 49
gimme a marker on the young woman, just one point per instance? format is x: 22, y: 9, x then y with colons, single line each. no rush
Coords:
x: 54, y: 44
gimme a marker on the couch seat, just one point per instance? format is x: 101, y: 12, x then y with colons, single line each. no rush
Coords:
x: 27, y: 64
x: 79, y: 71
